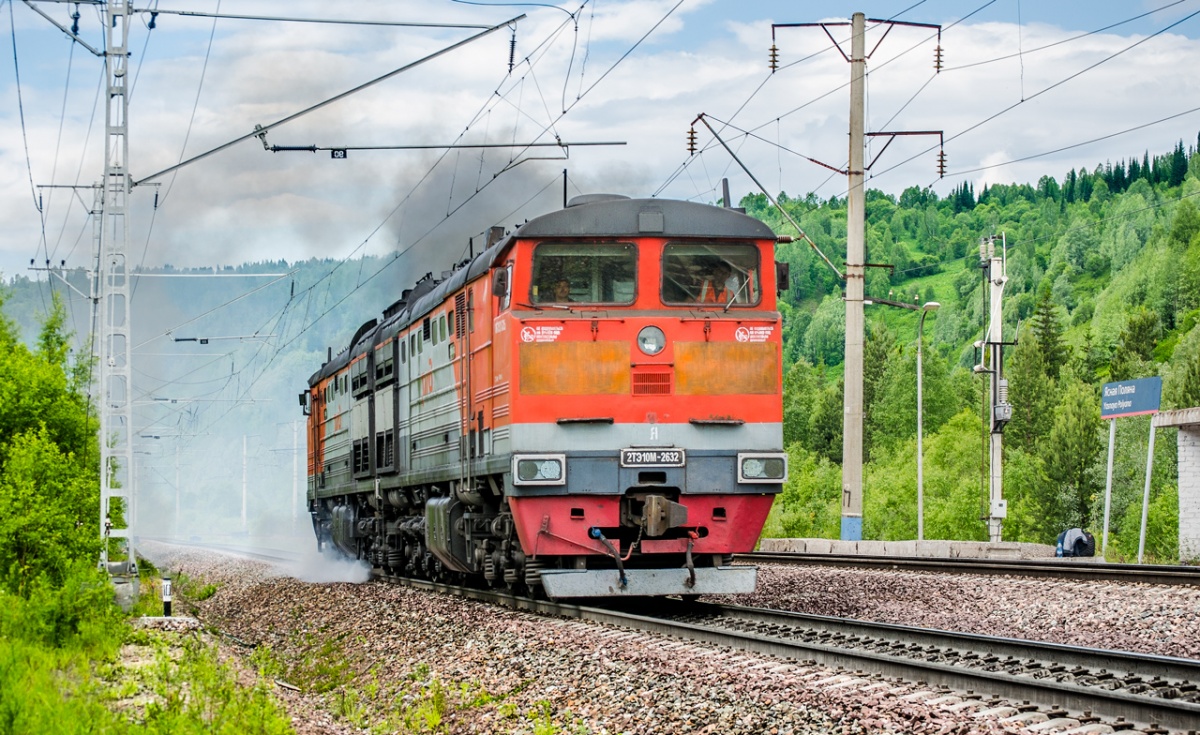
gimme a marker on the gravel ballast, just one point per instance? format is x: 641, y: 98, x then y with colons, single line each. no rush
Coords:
x: 428, y: 662
x: 1143, y: 618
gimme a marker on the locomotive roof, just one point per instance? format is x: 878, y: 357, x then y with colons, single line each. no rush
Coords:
x: 609, y: 215
x: 588, y: 216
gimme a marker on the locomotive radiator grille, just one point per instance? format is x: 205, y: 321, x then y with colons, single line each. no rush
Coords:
x: 652, y: 383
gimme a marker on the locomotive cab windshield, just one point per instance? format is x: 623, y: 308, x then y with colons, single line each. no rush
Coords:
x: 595, y: 273
x: 710, y: 273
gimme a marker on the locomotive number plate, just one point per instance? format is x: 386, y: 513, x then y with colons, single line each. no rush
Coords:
x: 652, y: 458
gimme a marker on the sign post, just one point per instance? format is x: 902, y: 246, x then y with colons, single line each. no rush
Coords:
x: 1129, y: 398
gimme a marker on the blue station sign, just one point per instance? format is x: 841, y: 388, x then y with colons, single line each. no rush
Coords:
x: 1130, y: 398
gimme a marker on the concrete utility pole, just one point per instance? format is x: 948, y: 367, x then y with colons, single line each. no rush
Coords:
x: 855, y: 258
x: 994, y: 268
x: 856, y: 255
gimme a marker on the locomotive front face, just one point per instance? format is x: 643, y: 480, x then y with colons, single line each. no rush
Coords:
x: 648, y: 420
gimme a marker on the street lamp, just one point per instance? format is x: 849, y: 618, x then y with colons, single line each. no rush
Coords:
x: 928, y: 307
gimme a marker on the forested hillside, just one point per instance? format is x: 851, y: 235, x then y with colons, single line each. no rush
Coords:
x: 1104, y: 284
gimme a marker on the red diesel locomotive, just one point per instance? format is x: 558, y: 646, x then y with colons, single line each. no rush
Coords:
x: 590, y: 407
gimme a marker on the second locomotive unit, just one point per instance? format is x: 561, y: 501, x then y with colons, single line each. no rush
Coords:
x: 589, y: 407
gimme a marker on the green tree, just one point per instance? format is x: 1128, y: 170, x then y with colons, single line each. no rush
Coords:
x: 1133, y: 357
x: 953, y: 502
x: 1047, y: 334
x: 825, y: 424
x: 49, y: 489
x: 810, y: 504
x: 878, y: 350
x: 801, y: 388
x: 1185, y: 225
x: 1033, y: 395
x: 53, y: 343
x: 825, y: 338
x: 894, y: 416
x: 1072, y: 452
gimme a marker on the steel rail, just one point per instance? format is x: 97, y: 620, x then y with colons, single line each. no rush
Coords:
x: 954, y: 661
x: 1073, y: 569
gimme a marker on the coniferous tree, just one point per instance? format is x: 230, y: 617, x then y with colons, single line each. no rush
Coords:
x: 825, y: 424
x: 1047, y: 334
x: 1133, y: 356
x: 1179, y: 165
x: 877, y: 351
x: 1189, y: 394
x: 1072, y: 452
x: 1033, y: 394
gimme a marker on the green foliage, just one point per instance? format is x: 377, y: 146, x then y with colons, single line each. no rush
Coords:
x: 825, y: 340
x: 75, y: 613
x: 1072, y: 453
x: 893, y: 415
x: 47, y: 509
x: 1047, y: 336
x: 1162, y: 529
x: 198, y: 693
x: 810, y: 504
x: 825, y: 423
x: 953, y: 498
x: 1032, y: 391
x: 801, y: 385
x: 1181, y: 376
x: 322, y: 665
x: 196, y: 590
x: 1135, y: 348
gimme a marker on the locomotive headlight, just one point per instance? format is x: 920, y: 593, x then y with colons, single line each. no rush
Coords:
x: 539, y: 469
x: 762, y: 467
x: 651, y: 340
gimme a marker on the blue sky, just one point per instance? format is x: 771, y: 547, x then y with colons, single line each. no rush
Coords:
x: 1066, y: 100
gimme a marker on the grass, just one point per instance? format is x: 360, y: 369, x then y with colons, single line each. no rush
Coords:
x: 70, y: 663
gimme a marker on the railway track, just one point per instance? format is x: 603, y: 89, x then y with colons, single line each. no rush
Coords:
x: 1050, y: 568
x: 1028, y: 681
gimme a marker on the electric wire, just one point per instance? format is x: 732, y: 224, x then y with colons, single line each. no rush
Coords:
x: 1043, y: 91
x: 62, y: 119
x: 21, y: 110
x: 435, y: 226
x: 1060, y: 42
x: 182, y: 148
x: 1080, y: 144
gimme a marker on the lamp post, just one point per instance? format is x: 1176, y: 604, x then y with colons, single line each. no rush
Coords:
x: 928, y: 307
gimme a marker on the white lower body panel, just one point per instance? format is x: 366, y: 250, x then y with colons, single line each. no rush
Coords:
x: 567, y: 583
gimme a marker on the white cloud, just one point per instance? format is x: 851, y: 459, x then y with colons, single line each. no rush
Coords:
x: 298, y: 204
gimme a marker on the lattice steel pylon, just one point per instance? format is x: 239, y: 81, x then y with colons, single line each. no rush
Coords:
x: 112, y: 302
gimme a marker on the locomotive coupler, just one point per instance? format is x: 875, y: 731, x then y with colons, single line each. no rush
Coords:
x: 661, y: 514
